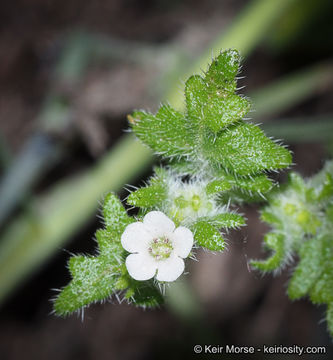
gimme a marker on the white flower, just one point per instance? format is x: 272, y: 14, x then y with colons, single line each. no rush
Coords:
x: 156, y: 245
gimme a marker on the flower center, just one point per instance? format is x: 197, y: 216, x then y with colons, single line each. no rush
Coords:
x: 160, y: 248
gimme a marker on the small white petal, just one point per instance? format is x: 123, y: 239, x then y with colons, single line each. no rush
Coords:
x: 182, y: 241
x: 158, y: 223
x: 141, y: 266
x: 136, y: 238
x: 170, y: 269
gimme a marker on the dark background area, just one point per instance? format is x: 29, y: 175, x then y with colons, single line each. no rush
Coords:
x: 238, y: 306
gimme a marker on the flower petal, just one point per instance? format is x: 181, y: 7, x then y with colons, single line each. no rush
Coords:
x: 141, y: 266
x: 158, y: 223
x: 182, y: 239
x: 136, y: 238
x: 170, y: 269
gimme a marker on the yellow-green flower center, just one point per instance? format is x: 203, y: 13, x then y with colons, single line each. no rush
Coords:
x: 160, y: 248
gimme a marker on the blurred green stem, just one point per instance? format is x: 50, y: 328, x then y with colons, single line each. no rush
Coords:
x: 302, y: 130
x: 52, y: 219
x: 55, y: 124
x: 298, y: 19
x: 291, y: 89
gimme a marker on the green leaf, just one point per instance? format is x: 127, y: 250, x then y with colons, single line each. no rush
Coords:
x: 144, y: 293
x: 211, y: 101
x: 226, y: 220
x: 93, y: 280
x: 148, y: 196
x: 140, y: 293
x: 207, y: 236
x: 296, y: 182
x: 224, y: 109
x: 271, y: 218
x: 326, y: 190
x: 115, y: 215
x: 276, y: 243
x: 322, y: 291
x: 307, y: 270
x: 153, y: 194
x: 167, y: 132
x: 109, y: 243
x: 223, y: 71
x: 217, y: 186
x: 314, y: 273
x: 259, y: 183
x: 196, y: 95
x: 212, y: 128
x: 244, y: 149
x: 244, y: 189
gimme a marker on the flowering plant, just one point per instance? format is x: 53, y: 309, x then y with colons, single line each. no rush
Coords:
x: 214, y: 159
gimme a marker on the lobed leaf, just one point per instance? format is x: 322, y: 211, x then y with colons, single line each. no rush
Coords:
x: 211, y: 101
x: 167, y: 132
x: 93, y: 280
x: 244, y: 149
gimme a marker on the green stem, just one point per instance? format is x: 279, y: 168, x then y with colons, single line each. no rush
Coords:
x: 302, y: 130
x: 297, y: 20
x: 54, y: 217
x: 291, y: 90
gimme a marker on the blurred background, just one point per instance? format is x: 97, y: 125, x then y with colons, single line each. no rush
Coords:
x: 70, y: 72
